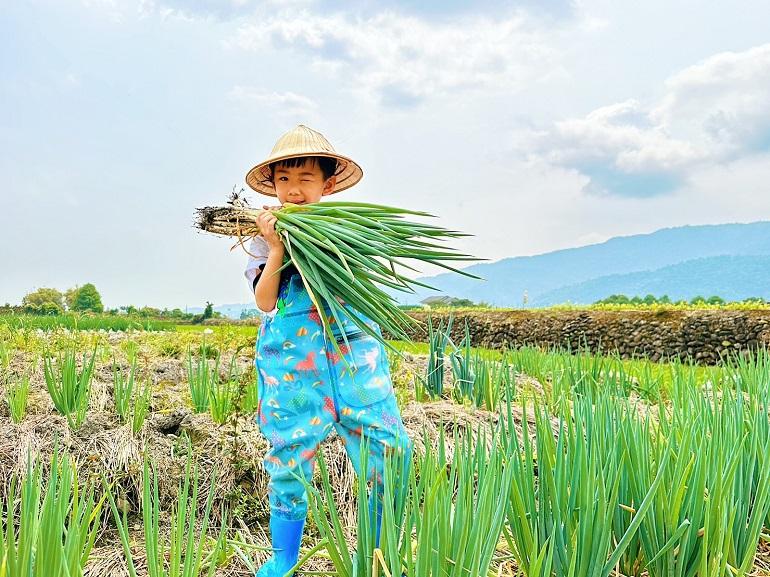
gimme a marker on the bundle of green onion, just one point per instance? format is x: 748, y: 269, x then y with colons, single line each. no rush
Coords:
x: 345, y: 252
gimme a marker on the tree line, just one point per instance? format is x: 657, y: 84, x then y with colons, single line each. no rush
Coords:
x: 50, y: 301
x: 621, y: 299
x: 87, y: 299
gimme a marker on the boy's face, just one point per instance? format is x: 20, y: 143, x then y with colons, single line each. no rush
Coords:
x: 301, y: 184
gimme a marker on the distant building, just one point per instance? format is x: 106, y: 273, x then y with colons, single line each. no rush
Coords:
x: 441, y: 301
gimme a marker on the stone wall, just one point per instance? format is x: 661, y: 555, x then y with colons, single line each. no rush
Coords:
x: 701, y: 335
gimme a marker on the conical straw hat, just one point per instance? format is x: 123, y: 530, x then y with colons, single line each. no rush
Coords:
x: 298, y: 142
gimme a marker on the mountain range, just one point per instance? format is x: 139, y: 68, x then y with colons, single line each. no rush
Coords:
x: 727, y: 260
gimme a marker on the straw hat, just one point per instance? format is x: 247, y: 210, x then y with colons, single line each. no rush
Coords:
x: 298, y: 142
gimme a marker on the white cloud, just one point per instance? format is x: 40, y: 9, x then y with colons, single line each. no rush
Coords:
x: 621, y: 133
x: 109, y: 4
x: 286, y: 104
x: 715, y: 111
x: 723, y: 102
x: 188, y: 10
x: 71, y: 80
x: 113, y: 9
x: 401, y: 59
x: 473, y: 79
x: 197, y: 9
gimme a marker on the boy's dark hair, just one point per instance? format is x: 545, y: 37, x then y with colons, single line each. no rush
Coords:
x: 327, y: 165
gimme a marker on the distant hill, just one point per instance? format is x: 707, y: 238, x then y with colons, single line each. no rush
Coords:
x: 542, y: 275
x: 727, y: 260
x: 730, y: 277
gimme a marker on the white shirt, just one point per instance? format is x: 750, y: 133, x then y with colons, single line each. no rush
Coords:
x: 258, y: 251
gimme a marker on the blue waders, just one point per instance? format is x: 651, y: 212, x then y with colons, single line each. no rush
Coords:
x: 305, y: 390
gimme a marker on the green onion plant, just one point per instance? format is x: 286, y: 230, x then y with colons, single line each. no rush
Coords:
x: 566, y: 493
x: 438, y: 340
x: 16, y: 395
x: 223, y: 393
x: 188, y: 552
x: 56, y: 525
x: 462, y: 367
x: 123, y: 388
x: 201, y: 377
x: 710, y: 519
x: 131, y: 349
x: 444, y: 518
x: 70, y: 388
x: 5, y: 357
x: 141, y: 407
x: 491, y: 378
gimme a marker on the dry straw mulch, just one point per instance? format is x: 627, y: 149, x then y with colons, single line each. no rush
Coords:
x: 229, y: 457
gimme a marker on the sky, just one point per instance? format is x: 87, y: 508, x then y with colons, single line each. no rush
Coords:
x: 533, y: 125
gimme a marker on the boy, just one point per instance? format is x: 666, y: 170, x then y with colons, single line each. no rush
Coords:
x: 305, y: 388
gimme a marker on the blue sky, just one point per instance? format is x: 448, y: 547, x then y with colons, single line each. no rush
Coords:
x: 532, y: 125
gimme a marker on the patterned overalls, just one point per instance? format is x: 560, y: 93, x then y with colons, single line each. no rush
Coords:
x: 305, y: 389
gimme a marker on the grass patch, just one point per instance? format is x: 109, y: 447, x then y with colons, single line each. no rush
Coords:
x: 236, y: 330
x: 84, y: 322
x: 651, y: 380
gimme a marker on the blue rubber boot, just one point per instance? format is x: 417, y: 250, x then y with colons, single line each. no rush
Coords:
x: 286, y: 536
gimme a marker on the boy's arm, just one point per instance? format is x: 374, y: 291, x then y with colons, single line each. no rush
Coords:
x: 268, y: 281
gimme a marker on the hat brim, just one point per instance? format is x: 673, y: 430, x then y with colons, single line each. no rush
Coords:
x: 348, y: 172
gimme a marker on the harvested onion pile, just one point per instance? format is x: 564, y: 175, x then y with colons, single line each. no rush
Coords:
x: 348, y: 250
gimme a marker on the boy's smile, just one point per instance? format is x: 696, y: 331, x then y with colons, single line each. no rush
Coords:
x: 301, y: 184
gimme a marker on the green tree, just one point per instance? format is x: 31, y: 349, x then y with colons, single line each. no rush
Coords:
x: 462, y: 303
x: 50, y: 308
x: 87, y: 298
x: 34, y: 301
x: 614, y: 299
x: 758, y: 300
x: 249, y: 314
x: 69, y: 297
x: 208, y: 312
x: 149, y: 312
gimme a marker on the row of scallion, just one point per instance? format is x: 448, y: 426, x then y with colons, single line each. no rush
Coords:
x: 679, y: 490
x: 483, y: 377
x: 50, y: 525
x: 57, y: 521
x: 680, y: 493
x: 193, y: 548
x: 84, y: 322
x: 69, y: 384
x: 599, y: 484
x: 223, y: 395
x: 69, y: 375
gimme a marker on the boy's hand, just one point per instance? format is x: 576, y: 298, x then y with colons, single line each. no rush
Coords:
x: 266, y: 221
